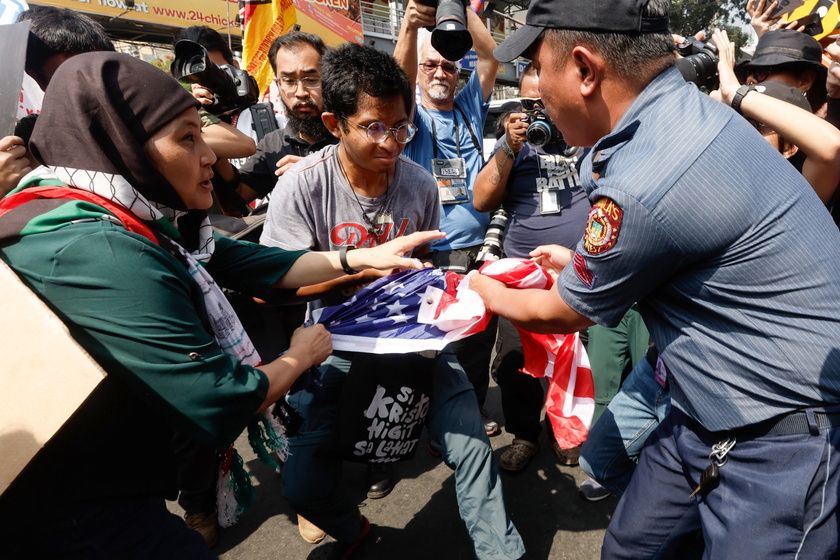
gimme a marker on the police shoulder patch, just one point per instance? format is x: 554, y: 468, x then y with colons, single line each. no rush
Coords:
x: 602, y: 226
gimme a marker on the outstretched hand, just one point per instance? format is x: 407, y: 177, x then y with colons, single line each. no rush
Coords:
x: 13, y: 163
x: 729, y: 83
x: 392, y: 254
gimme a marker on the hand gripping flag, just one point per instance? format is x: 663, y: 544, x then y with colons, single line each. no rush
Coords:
x: 419, y: 310
x: 570, y: 400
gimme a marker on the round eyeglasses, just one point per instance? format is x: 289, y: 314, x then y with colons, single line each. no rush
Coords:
x: 377, y: 132
x: 291, y: 84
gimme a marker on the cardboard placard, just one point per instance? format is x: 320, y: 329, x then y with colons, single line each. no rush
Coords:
x: 44, y: 375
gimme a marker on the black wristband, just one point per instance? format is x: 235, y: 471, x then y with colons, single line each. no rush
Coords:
x: 740, y: 93
x: 342, y: 258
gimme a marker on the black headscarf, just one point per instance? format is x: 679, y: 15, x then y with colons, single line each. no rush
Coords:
x: 100, y: 109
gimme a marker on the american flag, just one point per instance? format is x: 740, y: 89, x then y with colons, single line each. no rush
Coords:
x: 419, y: 310
x: 570, y: 399
x: 411, y: 311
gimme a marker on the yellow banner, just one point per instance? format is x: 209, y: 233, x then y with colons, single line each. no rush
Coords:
x: 334, y: 21
x: 218, y: 14
x: 828, y: 15
x: 264, y: 22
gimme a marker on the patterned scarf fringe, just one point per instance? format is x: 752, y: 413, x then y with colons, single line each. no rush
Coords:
x: 267, y: 436
x: 234, y: 490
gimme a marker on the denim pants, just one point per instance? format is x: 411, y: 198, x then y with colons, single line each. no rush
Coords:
x: 777, y: 496
x: 610, y: 453
x: 311, y: 481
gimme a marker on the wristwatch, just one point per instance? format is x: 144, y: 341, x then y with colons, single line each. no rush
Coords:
x: 740, y: 93
x: 342, y: 258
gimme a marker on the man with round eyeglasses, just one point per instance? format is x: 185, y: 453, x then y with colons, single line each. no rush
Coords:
x: 361, y: 193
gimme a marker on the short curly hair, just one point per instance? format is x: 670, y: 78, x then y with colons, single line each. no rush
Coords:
x: 351, y: 70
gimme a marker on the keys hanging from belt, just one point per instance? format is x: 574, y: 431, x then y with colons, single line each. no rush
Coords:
x: 710, y: 478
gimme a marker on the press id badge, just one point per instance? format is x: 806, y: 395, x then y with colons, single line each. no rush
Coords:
x: 451, y: 177
x: 550, y: 201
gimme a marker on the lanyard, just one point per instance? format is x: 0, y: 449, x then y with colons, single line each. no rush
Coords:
x: 457, y: 135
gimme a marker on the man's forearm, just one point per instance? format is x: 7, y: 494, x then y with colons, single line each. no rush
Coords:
x: 537, y: 311
x: 405, y: 52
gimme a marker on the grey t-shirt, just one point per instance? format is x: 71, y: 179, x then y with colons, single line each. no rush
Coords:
x: 313, y: 206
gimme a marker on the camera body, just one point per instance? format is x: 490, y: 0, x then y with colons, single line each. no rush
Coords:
x: 233, y: 89
x: 699, y: 63
x: 450, y: 36
x: 491, y: 248
x: 541, y: 130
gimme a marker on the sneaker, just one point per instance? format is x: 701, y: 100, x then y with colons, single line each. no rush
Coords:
x: 591, y: 491
x: 568, y: 457
x: 490, y: 425
x: 206, y: 524
x: 310, y: 532
x: 380, y: 480
x: 435, y: 450
x: 518, y: 455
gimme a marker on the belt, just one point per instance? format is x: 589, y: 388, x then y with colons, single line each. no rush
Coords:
x: 809, y: 421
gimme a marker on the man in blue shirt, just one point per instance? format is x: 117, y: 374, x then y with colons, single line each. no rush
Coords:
x: 735, y: 265
x: 448, y: 144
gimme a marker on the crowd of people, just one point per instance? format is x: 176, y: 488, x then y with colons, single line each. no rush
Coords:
x: 672, y: 219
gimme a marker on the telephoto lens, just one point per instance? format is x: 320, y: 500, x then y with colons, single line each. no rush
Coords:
x: 450, y: 36
x: 491, y: 249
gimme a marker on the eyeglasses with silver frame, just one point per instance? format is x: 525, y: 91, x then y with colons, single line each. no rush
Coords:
x: 377, y: 132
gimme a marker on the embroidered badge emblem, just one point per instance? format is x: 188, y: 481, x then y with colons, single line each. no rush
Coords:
x: 602, y: 226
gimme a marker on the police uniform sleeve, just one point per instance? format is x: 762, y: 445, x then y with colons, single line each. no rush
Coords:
x: 625, y: 254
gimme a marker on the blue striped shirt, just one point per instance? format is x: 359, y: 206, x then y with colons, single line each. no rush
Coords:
x: 733, y: 259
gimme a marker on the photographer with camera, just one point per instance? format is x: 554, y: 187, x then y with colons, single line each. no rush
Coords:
x: 227, y: 94
x: 448, y: 144
x: 539, y: 189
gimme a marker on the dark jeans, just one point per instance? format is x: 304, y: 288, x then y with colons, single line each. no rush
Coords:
x: 137, y: 529
x: 777, y: 496
x: 473, y: 354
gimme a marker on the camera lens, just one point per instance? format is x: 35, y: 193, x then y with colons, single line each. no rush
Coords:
x: 538, y: 133
x: 450, y: 37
